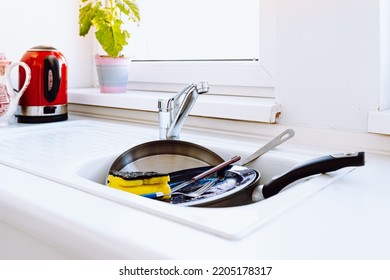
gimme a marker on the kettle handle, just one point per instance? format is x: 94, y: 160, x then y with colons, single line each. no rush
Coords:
x: 26, y: 81
x: 52, y: 78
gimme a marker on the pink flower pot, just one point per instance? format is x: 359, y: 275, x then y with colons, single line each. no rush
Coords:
x: 113, y: 73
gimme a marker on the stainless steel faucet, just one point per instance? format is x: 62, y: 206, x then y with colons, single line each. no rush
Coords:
x: 173, y: 112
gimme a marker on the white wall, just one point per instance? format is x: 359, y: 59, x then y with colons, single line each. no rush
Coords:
x: 28, y: 23
x: 327, y: 62
x: 327, y: 54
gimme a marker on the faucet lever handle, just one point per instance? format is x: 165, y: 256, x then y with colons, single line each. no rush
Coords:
x: 174, y: 111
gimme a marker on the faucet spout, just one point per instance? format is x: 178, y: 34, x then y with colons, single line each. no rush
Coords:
x: 174, y: 111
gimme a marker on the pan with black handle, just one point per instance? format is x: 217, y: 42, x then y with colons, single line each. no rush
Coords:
x: 241, y: 194
x: 315, y: 166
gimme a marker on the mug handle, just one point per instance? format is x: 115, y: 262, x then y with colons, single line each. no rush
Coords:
x: 27, y: 79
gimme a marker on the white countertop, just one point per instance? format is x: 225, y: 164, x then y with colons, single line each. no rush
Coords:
x: 43, y: 218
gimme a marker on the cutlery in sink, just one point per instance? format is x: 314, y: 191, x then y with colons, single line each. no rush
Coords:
x: 281, y: 138
x: 205, y: 174
x: 206, y: 186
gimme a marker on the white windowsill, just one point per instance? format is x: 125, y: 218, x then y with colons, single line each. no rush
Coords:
x: 264, y: 110
x: 379, y: 122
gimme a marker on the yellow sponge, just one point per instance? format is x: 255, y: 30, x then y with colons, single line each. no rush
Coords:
x: 140, y: 183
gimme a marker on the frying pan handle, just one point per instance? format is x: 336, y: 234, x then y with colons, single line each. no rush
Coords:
x: 315, y: 166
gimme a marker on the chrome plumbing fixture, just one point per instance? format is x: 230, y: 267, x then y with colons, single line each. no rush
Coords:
x: 173, y: 112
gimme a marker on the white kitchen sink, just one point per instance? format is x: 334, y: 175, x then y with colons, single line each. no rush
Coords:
x: 79, y: 154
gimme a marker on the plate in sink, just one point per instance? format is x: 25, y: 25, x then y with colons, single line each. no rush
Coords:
x: 228, y: 183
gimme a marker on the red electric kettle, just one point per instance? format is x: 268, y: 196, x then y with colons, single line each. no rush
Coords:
x: 45, y: 99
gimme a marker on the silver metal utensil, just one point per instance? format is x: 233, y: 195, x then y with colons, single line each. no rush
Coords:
x: 281, y: 138
x: 199, y: 191
x: 206, y: 173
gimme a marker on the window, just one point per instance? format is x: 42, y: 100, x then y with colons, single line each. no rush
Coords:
x: 197, y: 30
x: 224, y: 42
x: 241, y: 77
x: 379, y: 121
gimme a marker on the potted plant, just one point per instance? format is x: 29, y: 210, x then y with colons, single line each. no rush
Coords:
x: 107, y: 17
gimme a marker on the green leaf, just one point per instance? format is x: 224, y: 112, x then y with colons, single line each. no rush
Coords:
x: 130, y: 9
x: 111, y: 37
x: 86, y: 16
x: 133, y: 10
x: 107, y: 22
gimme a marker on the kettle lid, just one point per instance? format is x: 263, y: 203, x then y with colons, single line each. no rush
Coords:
x: 42, y: 48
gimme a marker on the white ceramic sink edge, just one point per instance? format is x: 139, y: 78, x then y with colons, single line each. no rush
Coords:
x: 73, y: 159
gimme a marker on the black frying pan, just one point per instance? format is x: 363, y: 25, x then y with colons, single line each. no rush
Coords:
x: 239, y: 192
